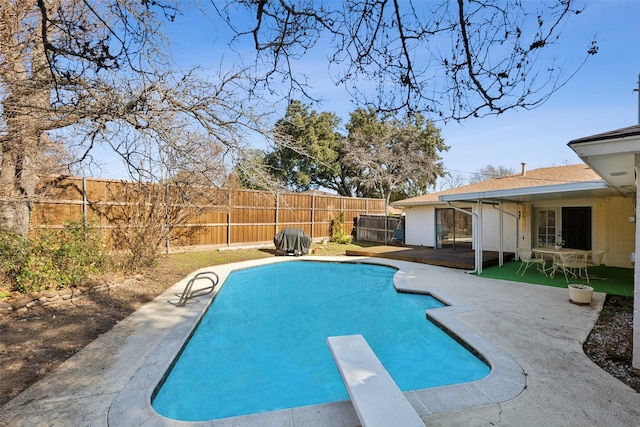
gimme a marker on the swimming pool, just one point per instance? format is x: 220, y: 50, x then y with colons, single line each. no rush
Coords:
x: 265, y: 336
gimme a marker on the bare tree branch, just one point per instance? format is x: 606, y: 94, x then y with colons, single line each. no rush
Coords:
x: 449, y: 60
x: 98, y: 72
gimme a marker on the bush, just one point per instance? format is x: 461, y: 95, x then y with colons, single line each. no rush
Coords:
x: 53, y: 259
x: 13, y: 252
x: 337, y: 231
x: 137, y: 246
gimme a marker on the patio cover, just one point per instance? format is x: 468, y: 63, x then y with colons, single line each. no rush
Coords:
x: 543, y: 184
x: 519, y: 195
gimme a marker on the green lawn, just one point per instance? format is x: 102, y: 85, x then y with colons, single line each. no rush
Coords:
x: 610, y: 280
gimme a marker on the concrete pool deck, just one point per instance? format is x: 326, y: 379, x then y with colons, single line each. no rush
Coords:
x: 534, y: 325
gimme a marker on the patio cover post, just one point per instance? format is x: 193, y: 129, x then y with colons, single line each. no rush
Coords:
x: 501, y: 233
x: 479, y: 238
x: 636, y: 277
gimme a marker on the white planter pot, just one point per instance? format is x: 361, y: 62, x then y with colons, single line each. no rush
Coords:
x: 580, y: 294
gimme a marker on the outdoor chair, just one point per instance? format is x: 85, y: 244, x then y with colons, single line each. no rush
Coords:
x: 594, y: 258
x: 398, y: 237
x: 572, y: 264
x: 527, y: 260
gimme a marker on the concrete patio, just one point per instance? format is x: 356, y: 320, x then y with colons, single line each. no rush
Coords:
x: 535, y: 325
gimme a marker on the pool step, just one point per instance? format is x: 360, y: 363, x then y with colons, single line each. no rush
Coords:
x: 375, y: 396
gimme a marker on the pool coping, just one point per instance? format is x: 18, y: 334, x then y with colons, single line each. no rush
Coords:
x: 506, y: 380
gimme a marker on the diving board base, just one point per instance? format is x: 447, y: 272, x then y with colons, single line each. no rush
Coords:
x: 375, y: 396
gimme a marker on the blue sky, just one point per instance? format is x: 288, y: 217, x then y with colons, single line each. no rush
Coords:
x: 598, y: 98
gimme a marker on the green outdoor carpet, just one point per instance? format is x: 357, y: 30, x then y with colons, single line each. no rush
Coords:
x: 610, y: 280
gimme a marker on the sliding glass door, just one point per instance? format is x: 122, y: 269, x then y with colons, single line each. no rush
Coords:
x: 454, y: 229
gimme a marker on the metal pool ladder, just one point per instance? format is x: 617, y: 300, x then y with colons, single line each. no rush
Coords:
x: 189, y: 292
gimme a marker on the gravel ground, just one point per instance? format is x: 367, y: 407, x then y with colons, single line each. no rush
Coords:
x: 610, y: 343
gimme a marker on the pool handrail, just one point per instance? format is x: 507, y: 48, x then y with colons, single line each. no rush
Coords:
x: 189, y: 293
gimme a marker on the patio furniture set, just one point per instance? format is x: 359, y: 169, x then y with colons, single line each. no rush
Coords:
x: 573, y: 263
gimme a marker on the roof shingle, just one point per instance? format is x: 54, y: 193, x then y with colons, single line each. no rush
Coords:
x: 533, y: 178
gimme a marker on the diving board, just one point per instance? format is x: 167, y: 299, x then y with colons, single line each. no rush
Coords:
x: 375, y: 396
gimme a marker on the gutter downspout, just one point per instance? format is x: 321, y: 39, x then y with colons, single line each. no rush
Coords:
x: 475, y: 218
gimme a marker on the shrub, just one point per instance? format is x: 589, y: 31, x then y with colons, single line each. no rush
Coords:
x: 337, y: 231
x: 52, y: 259
x: 137, y: 246
x: 13, y: 252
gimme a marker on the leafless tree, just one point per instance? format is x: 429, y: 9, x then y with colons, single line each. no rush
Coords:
x: 91, y: 72
x: 448, y: 181
x: 447, y: 59
x: 393, y: 158
x: 489, y: 172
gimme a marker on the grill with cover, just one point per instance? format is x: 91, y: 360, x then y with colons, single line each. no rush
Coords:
x: 292, y: 241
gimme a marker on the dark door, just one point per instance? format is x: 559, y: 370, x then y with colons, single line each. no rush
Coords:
x: 576, y: 227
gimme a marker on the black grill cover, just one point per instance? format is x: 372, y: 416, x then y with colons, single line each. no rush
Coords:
x: 293, y: 241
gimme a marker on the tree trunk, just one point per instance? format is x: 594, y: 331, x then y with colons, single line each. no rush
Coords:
x: 18, y: 182
x: 27, y: 113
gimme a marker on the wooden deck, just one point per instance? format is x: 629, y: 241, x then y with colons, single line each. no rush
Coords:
x: 463, y: 259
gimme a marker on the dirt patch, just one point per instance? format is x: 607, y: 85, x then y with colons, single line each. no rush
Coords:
x: 37, y: 339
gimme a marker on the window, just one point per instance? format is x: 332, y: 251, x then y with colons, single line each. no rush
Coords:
x: 547, y: 220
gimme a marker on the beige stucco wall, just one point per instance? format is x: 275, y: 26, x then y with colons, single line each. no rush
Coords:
x: 616, y: 233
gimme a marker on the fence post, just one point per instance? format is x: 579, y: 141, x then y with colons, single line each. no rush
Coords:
x: 277, y: 211
x: 313, y: 216
x: 229, y: 217
x: 84, y: 201
x: 166, y: 218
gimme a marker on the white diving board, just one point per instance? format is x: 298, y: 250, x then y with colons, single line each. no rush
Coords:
x: 375, y: 396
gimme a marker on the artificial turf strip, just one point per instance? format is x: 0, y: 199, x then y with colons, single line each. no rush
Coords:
x: 610, y: 280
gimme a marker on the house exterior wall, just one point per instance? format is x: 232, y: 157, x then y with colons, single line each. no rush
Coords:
x: 419, y: 226
x: 491, y: 227
x: 611, y: 230
x: 599, y: 226
x: 619, y: 235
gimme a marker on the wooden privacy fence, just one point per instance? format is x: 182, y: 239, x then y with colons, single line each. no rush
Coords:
x: 380, y: 229
x: 184, y: 217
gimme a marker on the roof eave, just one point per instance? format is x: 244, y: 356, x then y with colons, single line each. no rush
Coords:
x: 416, y: 203
x: 629, y: 144
x: 497, y: 195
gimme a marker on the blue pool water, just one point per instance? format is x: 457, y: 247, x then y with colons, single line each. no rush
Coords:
x: 261, y: 345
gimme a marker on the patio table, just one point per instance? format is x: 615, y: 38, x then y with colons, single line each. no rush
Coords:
x: 555, y: 254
